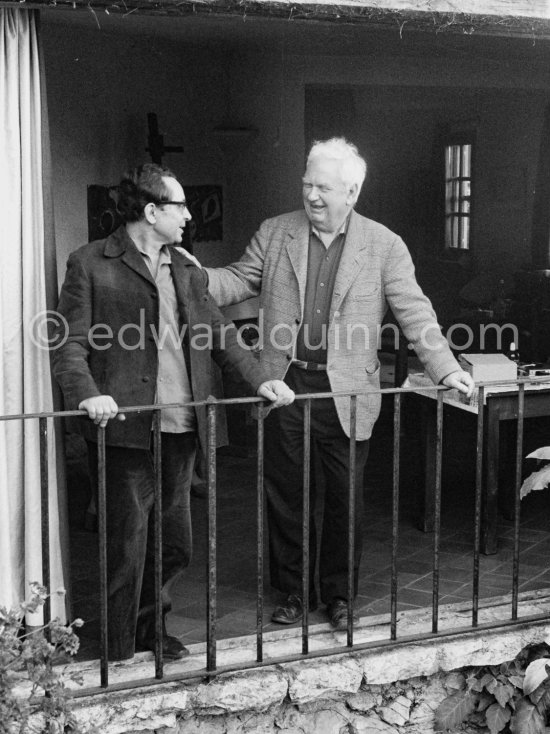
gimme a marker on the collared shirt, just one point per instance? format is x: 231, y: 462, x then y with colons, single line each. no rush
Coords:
x: 173, y: 385
x: 322, y: 266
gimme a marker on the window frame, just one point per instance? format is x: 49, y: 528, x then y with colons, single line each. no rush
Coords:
x: 460, y: 139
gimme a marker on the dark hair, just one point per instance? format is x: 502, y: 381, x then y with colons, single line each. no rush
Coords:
x: 139, y: 187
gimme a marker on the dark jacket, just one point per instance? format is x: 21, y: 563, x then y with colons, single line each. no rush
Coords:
x: 108, y: 287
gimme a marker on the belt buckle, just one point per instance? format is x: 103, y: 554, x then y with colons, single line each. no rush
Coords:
x: 313, y: 366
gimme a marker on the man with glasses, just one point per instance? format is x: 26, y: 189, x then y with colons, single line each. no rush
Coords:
x: 325, y: 276
x: 137, y: 326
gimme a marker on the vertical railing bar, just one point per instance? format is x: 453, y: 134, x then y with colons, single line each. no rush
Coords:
x: 45, y: 507
x: 305, y: 525
x: 437, y: 510
x: 477, y: 505
x: 157, y: 463
x: 395, y: 511
x: 260, y: 545
x: 102, y: 540
x: 517, y: 501
x: 211, y: 600
x: 351, y: 514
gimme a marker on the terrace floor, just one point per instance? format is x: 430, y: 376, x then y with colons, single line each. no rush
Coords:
x: 236, y: 566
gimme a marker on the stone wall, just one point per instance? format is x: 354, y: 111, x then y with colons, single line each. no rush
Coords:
x: 394, y: 689
x: 404, y: 706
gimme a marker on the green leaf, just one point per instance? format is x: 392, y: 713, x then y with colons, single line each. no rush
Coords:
x: 473, y: 683
x: 535, y: 674
x: 497, y: 717
x: 527, y: 719
x: 452, y: 711
x: 503, y: 693
x: 455, y: 682
x: 541, y: 699
x: 535, y: 481
x: 516, y: 680
x: 485, y: 700
x: 489, y: 682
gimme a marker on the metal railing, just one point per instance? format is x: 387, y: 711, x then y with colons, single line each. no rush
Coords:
x: 211, y: 667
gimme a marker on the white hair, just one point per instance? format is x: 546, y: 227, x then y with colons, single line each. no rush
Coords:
x: 352, y: 165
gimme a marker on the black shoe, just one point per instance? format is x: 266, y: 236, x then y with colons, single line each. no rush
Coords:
x: 199, y: 486
x: 172, y: 648
x: 337, y: 612
x: 292, y: 610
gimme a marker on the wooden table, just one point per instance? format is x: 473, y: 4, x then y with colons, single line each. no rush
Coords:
x: 501, y: 408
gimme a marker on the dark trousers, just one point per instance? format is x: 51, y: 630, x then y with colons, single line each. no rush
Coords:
x: 284, y: 491
x: 130, y: 484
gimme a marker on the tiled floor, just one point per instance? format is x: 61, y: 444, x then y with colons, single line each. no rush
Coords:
x: 236, y: 568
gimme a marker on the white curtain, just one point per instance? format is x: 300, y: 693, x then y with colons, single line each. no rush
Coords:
x: 25, y: 377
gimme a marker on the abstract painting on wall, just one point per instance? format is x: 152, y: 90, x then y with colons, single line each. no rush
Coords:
x: 204, y: 202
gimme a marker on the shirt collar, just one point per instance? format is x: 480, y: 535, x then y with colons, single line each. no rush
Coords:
x: 164, y: 255
x: 342, y: 230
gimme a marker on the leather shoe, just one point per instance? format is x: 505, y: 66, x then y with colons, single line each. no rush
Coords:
x: 292, y: 610
x: 337, y: 612
x: 172, y: 648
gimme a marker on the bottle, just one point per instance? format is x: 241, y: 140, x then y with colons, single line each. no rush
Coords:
x: 513, y: 352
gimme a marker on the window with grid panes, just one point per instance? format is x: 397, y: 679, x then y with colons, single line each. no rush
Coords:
x: 458, y: 184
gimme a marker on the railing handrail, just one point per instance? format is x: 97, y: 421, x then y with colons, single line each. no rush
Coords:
x: 264, y: 401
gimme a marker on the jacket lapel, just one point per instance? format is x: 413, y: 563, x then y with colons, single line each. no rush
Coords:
x: 351, y: 262
x: 182, y: 285
x: 121, y: 245
x: 297, y: 246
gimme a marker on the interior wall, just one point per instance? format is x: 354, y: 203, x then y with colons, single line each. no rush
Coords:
x: 399, y: 129
x: 101, y: 84
x: 100, y: 88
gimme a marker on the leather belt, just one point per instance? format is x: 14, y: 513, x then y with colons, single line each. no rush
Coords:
x: 309, y: 365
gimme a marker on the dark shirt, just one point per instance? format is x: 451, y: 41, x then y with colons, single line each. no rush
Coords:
x: 322, y: 266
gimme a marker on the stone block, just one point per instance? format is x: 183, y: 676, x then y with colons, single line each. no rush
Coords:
x: 328, y: 722
x: 242, y: 692
x: 362, y: 701
x: 313, y: 717
x: 370, y: 725
x: 320, y: 678
x: 115, y: 715
x: 334, y: 701
x: 202, y: 725
x: 250, y: 724
x: 397, y: 712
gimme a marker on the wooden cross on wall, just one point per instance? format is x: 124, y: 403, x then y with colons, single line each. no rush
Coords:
x: 156, y: 141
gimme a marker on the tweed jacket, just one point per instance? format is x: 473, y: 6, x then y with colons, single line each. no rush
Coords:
x: 109, y: 290
x: 375, y: 271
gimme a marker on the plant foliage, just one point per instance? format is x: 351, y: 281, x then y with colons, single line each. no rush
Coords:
x: 513, y: 698
x: 33, y: 694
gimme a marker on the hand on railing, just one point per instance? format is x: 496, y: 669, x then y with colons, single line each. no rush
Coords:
x: 460, y: 380
x: 277, y: 391
x: 101, y: 409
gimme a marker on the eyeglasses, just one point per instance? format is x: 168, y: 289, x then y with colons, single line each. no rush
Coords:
x: 181, y: 204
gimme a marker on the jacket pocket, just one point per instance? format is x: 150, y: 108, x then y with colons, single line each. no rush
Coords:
x: 366, y: 293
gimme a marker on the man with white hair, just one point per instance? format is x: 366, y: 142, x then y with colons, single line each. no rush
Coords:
x: 326, y: 276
